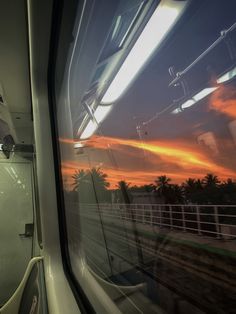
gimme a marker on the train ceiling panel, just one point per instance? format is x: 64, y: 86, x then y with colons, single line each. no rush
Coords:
x: 14, y: 67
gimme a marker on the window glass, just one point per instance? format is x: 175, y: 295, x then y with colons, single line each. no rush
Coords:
x: 149, y: 177
x: 126, y: 14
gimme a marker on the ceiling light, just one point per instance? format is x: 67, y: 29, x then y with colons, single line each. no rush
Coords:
x: 176, y: 111
x: 90, y: 129
x: 188, y: 104
x: 78, y: 145
x: 162, y: 20
x: 203, y: 93
x: 100, y: 114
x: 192, y: 101
x: 227, y: 76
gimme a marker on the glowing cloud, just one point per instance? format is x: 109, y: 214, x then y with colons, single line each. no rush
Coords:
x: 224, y: 101
x: 169, y: 151
x: 177, y: 159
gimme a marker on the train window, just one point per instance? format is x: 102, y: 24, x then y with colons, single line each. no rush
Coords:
x: 127, y: 12
x: 147, y: 159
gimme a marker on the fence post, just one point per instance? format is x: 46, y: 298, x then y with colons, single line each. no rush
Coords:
x: 198, y: 221
x: 151, y: 215
x: 126, y: 212
x: 217, y: 222
x: 119, y: 213
x: 171, y: 218
x: 143, y: 214
x: 160, y: 207
x: 135, y: 213
x: 183, y: 218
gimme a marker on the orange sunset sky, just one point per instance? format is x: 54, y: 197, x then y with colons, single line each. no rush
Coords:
x: 141, y: 162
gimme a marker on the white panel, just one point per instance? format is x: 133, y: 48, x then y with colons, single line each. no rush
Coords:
x: 16, y: 209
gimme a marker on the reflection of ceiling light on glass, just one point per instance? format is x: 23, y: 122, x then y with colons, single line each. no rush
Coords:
x: 91, y: 127
x: 227, y: 76
x: 116, y: 27
x: 203, y: 93
x: 100, y: 114
x: 78, y: 145
x: 155, y: 30
x: 12, y: 169
x: 176, y: 111
x: 190, y: 102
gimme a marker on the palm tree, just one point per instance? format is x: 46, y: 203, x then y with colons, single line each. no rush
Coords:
x: 210, y: 180
x: 210, y: 193
x: 189, y: 185
x: 99, y: 178
x: 148, y: 187
x: 230, y: 184
x: 143, y: 188
x: 123, y: 187
x: 80, y: 177
x: 82, y: 185
x: 162, y: 181
x: 175, y: 194
x: 196, y: 191
x: 91, y: 185
x: 192, y: 185
x: 163, y: 186
x: 198, y: 183
x: 100, y: 185
x: 228, y: 192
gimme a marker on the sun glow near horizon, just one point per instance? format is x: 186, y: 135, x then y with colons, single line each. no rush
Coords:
x: 182, y: 159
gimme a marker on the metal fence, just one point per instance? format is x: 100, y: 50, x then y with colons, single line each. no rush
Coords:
x: 207, y: 220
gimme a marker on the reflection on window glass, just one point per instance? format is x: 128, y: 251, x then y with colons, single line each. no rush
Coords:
x: 150, y: 180
x: 126, y: 14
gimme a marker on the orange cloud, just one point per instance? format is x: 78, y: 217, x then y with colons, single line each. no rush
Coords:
x: 182, y: 154
x: 178, y: 160
x: 223, y: 100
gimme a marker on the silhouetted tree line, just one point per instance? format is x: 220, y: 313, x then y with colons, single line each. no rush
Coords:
x: 208, y: 190
x: 92, y: 186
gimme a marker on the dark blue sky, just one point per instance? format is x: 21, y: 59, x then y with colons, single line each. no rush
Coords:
x: 199, y: 28
x: 150, y: 93
x: 170, y: 144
